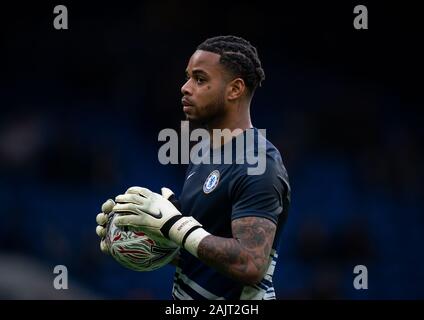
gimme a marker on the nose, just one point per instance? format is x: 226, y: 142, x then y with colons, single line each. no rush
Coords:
x: 186, y: 88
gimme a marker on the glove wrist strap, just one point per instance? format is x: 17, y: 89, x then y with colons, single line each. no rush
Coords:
x: 168, y: 224
x: 187, y: 232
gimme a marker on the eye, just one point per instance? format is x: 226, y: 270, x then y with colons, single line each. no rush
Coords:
x: 200, y: 80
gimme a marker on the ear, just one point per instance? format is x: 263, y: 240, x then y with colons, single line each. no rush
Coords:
x: 235, y: 89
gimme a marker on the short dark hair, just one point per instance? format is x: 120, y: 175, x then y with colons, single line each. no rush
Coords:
x: 239, y: 57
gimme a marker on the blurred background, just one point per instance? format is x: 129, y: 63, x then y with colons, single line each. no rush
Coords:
x: 81, y: 110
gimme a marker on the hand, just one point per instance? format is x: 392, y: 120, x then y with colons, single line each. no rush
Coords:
x: 102, y: 220
x: 143, y: 210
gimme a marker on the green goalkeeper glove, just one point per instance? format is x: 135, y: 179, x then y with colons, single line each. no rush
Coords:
x: 143, y: 210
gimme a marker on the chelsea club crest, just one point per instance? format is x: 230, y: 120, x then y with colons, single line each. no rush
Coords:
x: 211, y: 182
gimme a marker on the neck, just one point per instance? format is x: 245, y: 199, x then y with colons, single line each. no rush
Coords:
x: 233, y: 124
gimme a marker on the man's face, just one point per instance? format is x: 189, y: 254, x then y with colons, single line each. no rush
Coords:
x: 204, y: 91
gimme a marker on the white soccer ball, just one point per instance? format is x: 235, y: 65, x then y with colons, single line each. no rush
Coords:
x: 136, y: 250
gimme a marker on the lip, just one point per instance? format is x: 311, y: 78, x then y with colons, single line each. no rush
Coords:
x: 186, y: 102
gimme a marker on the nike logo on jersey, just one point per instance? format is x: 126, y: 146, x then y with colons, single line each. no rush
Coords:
x: 188, y: 177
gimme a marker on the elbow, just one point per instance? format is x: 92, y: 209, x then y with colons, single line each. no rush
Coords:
x: 252, y: 274
x: 252, y: 278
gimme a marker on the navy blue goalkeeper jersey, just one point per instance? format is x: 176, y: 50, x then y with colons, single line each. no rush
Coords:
x: 220, y: 191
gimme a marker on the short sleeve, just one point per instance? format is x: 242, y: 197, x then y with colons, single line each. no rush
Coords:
x: 259, y: 195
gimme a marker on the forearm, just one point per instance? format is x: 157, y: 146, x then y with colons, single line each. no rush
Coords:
x: 231, y: 258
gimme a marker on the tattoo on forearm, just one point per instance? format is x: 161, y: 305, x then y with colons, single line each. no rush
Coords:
x: 246, y: 253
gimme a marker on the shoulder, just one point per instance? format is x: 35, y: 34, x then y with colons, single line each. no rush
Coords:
x: 261, y: 158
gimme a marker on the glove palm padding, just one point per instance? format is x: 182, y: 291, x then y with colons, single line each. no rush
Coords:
x: 102, y: 219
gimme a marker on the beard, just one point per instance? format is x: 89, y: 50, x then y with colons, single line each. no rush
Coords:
x: 211, y: 113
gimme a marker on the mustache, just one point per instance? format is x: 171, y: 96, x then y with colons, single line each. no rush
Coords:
x: 187, y: 101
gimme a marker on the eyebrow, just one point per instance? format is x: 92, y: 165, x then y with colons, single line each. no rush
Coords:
x: 198, y: 72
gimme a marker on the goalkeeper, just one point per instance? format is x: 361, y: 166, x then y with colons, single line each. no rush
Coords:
x: 228, y: 222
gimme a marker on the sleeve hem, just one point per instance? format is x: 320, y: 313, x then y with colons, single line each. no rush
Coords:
x: 255, y: 213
